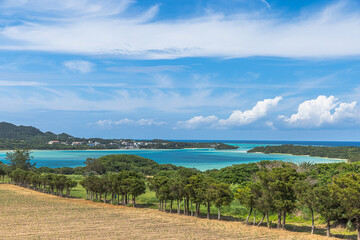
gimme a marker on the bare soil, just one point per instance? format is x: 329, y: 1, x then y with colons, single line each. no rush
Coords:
x: 27, y: 214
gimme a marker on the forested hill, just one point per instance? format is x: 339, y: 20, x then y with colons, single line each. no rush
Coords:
x: 11, y: 131
x: 350, y: 153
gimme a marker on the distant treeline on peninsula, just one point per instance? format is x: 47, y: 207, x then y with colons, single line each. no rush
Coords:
x: 27, y: 137
x: 352, y: 154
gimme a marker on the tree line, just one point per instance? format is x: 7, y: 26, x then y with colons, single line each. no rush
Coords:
x: 191, y: 188
x: 281, y: 188
x: 352, y: 154
x: 125, y: 185
x: 47, y: 183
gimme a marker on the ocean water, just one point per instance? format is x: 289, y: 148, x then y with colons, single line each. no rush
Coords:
x: 201, y: 159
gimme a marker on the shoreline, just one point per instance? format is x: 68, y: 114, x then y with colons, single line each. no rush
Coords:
x: 339, y: 159
x: 136, y: 149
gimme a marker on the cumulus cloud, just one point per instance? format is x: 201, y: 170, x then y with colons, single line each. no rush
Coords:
x: 321, y: 111
x: 126, y: 121
x: 239, y: 118
x: 328, y: 32
x: 236, y: 119
x: 198, y: 121
x: 79, y: 66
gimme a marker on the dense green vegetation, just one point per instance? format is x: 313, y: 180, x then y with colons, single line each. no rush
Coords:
x: 128, y: 162
x: 164, y: 144
x: 269, y: 190
x: 123, y: 184
x: 350, y: 153
x: 49, y: 183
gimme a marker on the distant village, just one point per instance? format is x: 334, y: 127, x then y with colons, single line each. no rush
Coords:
x: 116, y: 143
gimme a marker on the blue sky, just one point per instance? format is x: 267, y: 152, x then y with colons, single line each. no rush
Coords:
x: 230, y: 69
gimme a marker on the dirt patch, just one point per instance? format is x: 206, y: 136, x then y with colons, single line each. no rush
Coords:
x: 27, y: 214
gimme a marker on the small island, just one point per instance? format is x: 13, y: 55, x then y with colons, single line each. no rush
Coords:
x: 352, y: 154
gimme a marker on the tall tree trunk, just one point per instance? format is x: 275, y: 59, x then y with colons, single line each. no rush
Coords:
x: 178, y: 206
x: 171, y: 202
x: 196, y: 210
x: 134, y: 201
x: 118, y: 199
x: 219, y: 213
x: 159, y: 205
x: 191, y: 213
x: 284, y: 220
x: 254, y: 222
x: 279, y: 220
x: 248, y: 216
x: 262, y: 220
x: 185, y: 210
x: 164, y: 206
x: 328, y: 228
x: 105, y: 198
x: 312, y: 221
x: 358, y: 229
x: 187, y: 206
x: 268, y: 220
x: 112, y: 198
x: 208, y: 210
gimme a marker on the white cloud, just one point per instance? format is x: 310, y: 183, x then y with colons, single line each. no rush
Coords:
x: 66, y: 8
x: 117, y: 98
x: 270, y: 124
x: 321, y: 111
x: 79, y: 66
x: 266, y: 3
x: 239, y: 118
x: 103, y: 123
x: 236, y: 119
x: 149, y: 69
x: 126, y: 121
x: 20, y: 84
x: 196, y: 122
x: 325, y: 33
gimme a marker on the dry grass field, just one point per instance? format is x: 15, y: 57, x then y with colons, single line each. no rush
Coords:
x: 26, y: 214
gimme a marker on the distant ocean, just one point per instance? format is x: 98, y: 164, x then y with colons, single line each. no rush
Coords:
x: 201, y: 159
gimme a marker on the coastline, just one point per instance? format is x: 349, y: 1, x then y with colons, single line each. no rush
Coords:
x: 135, y: 149
x: 339, y: 159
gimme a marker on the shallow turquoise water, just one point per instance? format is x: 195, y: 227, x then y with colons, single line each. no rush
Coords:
x: 202, y: 159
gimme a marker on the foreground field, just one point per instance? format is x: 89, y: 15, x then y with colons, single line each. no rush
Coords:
x: 26, y: 214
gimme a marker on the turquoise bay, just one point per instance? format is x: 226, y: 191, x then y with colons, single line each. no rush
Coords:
x: 201, y: 159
